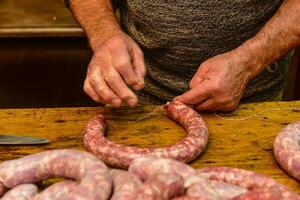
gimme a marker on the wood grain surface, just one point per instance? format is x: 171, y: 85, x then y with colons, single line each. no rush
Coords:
x: 245, y: 144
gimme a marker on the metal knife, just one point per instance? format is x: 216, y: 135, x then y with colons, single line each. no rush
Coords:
x: 21, y: 140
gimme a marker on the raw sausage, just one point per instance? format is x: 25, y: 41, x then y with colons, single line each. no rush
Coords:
x: 124, y: 184
x: 57, y: 190
x: 227, y: 190
x: 21, y: 192
x: 246, y: 179
x: 189, y: 198
x: 215, y: 190
x: 85, y: 168
x: 287, y: 149
x: 203, y: 190
x: 198, y: 186
x: 239, y: 177
x: 162, y: 186
x: 2, y: 189
x: 267, y: 194
x: 120, y: 156
x: 146, y: 167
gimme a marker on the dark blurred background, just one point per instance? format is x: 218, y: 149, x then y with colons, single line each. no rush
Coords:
x: 44, y: 55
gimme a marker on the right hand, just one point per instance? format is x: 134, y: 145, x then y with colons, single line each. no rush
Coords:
x: 117, y: 64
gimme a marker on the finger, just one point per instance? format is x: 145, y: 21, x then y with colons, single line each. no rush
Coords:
x: 194, y: 96
x: 126, y: 70
x: 100, y: 87
x: 89, y: 91
x: 227, y: 107
x: 112, y: 78
x: 208, y: 105
x: 138, y: 63
x: 125, y: 67
x: 197, y: 79
x: 117, y: 84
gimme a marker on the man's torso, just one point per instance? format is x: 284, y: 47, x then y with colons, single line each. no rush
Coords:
x: 177, y: 36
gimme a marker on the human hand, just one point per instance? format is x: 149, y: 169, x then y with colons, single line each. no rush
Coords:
x: 117, y: 64
x: 218, y: 85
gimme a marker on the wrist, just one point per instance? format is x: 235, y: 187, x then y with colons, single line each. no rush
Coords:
x: 251, y: 57
x: 99, y: 35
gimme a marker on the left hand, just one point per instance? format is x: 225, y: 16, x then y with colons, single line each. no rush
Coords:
x: 218, y: 85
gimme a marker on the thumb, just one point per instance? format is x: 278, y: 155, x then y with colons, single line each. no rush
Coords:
x: 193, y: 96
x: 198, y: 78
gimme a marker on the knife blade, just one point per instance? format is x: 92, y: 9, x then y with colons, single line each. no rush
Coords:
x: 21, y: 140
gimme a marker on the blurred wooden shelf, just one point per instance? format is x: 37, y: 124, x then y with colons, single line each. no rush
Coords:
x: 32, y: 18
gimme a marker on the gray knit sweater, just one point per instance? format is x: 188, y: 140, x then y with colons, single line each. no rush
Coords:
x: 177, y: 36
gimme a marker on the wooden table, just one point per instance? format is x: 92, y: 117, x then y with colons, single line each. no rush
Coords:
x: 245, y: 144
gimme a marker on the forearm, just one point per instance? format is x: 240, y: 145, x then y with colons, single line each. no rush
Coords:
x: 276, y: 38
x: 96, y: 17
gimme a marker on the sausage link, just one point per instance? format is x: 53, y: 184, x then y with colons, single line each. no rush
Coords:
x: 227, y: 190
x: 239, y: 177
x: 203, y: 190
x: 21, y: 192
x: 120, y: 156
x: 57, y: 190
x: 198, y: 186
x: 146, y: 167
x: 287, y: 149
x: 189, y: 198
x: 163, y: 186
x: 85, y: 168
x: 2, y: 189
x: 124, y: 184
x: 272, y: 193
x: 243, y: 178
x: 215, y: 190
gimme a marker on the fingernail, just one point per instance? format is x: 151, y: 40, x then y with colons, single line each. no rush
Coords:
x: 116, y: 102
x: 138, y: 86
x: 141, y: 81
x: 132, y: 102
